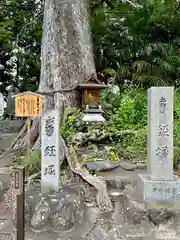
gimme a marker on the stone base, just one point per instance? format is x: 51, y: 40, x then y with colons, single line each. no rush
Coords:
x: 59, y: 212
x: 138, y: 210
x: 148, y: 189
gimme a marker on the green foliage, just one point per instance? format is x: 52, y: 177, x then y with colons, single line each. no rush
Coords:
x: 177, y: 104
x: 177, y: 144
x: 129, y: 109
x: 114, y: 156
x: 110, y: 99
x: 177, y: 129
x: 20, y: 37
x: 32, y: 162
x: 134, y: 147
x: 138, y: 45
x: 132, y: 111
x: 72, y: 122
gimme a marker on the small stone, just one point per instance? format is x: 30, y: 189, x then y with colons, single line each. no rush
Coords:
x: 158, y: 216
x: 102, y: 165
x: 92, y: 147
x: 108, y: 148
x: 135, y: 232
x: 128, y: 166
x: 67, y: 210
x: 133, y: 217
x: 115, y: 194
x: 141, y: 165
x: 41, y: 215
x: 164, y: 233
x: 98, y: 233
x: 118, y: 182
x: 78, y: 138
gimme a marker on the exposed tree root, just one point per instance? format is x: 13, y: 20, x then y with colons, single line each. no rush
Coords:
x: 37, y: 144
x: 19, y: 146
x: 98, y: 135
x: 21, y: 134
x: 103, y: 199
x: 21, y: 139
x: 32, y: 177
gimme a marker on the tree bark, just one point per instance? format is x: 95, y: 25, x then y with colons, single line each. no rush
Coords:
x: 66, y: 54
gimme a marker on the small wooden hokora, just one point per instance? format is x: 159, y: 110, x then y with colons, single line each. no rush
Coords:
x: 90, y: 99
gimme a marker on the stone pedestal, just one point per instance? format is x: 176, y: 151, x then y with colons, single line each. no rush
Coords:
x: 159, y: 183
x: 158, y: 190
x: 156, y: 212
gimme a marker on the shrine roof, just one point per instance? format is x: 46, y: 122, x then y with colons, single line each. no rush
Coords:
x: 27, y: 92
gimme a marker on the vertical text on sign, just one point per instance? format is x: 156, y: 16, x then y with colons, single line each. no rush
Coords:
x: 50, y: 170
x: 49, y: 126
x: 163, y: 131
x: 162, y: 105
x: 28, y: 104
x: 38, y: 105
x: 50, y: 150
x: 16, y: 180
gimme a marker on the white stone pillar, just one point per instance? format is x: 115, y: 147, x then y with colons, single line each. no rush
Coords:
x: 50, y: 151
x: 160, y: 132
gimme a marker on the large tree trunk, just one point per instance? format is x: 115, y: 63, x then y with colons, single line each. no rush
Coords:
x: 66, y: 56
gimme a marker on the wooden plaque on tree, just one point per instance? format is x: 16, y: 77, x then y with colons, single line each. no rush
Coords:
x: 28, y: 104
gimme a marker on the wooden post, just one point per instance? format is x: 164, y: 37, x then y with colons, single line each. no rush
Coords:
x: 29, y: 133
x: 19, y: 177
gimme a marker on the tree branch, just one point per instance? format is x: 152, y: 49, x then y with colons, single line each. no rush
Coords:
x: 27, y: 24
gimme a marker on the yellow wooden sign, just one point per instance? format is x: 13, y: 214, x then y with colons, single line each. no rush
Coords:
x: 28, y: 104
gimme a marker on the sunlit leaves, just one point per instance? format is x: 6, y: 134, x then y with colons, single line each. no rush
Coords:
x: 21, y: 29
x: 141, y: 66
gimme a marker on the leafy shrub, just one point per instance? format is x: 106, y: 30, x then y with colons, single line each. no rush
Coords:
x: 177, y: 104
x: 176, y: 143
x: 110, y: 98
x: 32, y: 161
x: 72, y: 122
x: 130, y: 110
x: 133, y: 147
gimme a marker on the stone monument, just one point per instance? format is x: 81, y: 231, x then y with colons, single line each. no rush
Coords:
x: 50, y: 155
x: 1, y: 105
x: 11, y: 101
x: 159, y: 183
